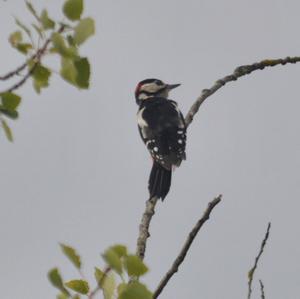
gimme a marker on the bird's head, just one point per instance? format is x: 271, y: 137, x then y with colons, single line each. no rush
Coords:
x: 150, y: 88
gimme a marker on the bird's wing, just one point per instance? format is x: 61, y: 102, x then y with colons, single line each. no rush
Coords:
x: 162, y: 129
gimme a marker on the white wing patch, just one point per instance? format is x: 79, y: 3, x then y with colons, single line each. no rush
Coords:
x: 141, y: 121
x: 177, y: 149
x: 154, y: 151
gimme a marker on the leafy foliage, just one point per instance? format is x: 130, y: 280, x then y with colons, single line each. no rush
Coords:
x: 118, y: 264
x: 10, y: 101
x: 47, y: 23
x: 84, y: 30
x: 41, y: 75
x: 60, y: 46
x: 109, y: 286
x: 57, y: 281
x: 7, y: 130
x: 73, y: 9
x: 72, y: 255
x: 76, y: 72
x: 134, y: 266
x: 56, y: 37
x: 15, y: 38
x: 113, y: 260
x: 135, y: 290
x: 120, y: 250
x: 78, y: 285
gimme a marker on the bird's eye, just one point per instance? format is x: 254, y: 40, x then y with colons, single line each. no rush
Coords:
x: 158, y: 82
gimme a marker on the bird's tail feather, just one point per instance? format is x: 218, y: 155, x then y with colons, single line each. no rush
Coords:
x: 159, y: 181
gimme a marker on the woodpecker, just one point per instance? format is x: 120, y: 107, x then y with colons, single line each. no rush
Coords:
x: 163, y: 130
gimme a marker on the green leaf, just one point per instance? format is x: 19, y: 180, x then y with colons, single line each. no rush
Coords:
x: 84, y: 30
x: 76, y: 297
x: 60, y: 45
x: 15, y: 38
x: 82, y: 67
x: 7, y: 130
x: 37, y: 86
x: 41, y: 76
x: 24, y: 47
x: 120, y: 250
x: 135, y: 290
x: 72, y: 255
x: 108, y: 286
x: 113, y: 260
x: 76, y: 72
x: 71, y: 41
x: 22, y: 26
x: 62, y: 296
x: 68, y: 70
x: 32, y: 10
x: 73, y: 9
x: 135, y: 266
x: 10, y: 114
x: 106, y: 282
x: 56, y: 280
x: 41, y: 73
x: 10, y: 101
x: 46, y: 21
x: 121, y: 288
x: 99, y: 276
x: 78, y: 285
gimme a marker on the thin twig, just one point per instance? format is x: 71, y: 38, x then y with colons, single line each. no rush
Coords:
x: 238, y: 72
x: 36, y: 58
x: 262, y: 289
x: 144, y: 227
x: 182, y: 254
x: 15, y: 72
x: 252, y: 270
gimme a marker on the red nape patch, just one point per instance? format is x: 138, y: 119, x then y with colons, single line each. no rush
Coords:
x: 138, y: 88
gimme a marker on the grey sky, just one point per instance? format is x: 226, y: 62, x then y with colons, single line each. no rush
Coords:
x: 78, y: 171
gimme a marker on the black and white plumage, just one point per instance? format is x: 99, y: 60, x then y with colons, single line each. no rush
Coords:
x: 162, y: 128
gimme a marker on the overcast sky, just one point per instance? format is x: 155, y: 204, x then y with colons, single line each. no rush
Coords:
x: 77, y: 171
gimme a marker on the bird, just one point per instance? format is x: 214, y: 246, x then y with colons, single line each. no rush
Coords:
x: 163, y: 130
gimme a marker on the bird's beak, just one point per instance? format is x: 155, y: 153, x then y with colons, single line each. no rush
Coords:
x: 172, y: 86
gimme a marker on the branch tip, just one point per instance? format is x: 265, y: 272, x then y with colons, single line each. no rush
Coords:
x: 183, y: 252
x: 257, y: 258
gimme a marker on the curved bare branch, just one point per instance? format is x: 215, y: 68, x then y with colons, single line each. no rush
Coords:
x: 237, y: 73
